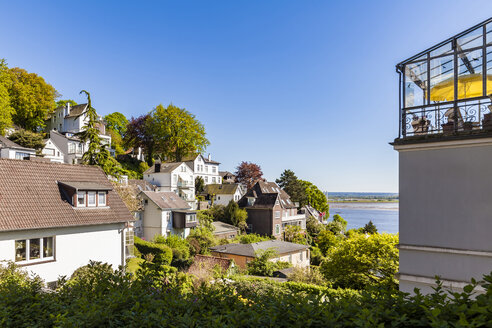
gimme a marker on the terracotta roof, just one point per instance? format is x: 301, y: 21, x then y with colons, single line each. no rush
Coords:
x: 31, y: 198
x: 165, y: 167
x: 203, y: 262
x: 7, y: 143
x: 250, y: 250
x: 220, y: 189
x: 167, y: 200
x: 221, y: 227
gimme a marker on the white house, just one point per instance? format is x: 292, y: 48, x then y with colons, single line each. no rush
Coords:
x: 222, y: 194
x: 70, y: 120
x: 164, y: 213
x: 55, y: 218
x: 205, y: 168
x: 176, y: 177
x: 69, y: 145
x: 52, y: 152
x: 9, y: 149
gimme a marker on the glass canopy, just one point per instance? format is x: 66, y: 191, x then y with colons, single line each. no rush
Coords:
x: 447, y: 84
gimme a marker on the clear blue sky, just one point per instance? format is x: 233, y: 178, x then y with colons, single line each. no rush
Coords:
x: 305, y: 85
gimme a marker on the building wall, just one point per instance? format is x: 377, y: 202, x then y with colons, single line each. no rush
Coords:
x: 223, y: 199
x: 226, y: 235
x: 293, y: 258
x: 445, y: 211
x: 52, y: 152
x: 239, y: 260
x: 74, y: 247
x: 152, y: 220
x: 261, y: 220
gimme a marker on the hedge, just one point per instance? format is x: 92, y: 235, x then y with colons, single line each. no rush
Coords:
x: 162, y: 253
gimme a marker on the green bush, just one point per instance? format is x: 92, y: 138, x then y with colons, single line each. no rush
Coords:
x: 161, y: 253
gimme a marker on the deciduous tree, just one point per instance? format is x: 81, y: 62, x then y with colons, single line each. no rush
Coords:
x: 315, y: 197
x: 199, y: 185
x: 248, y: 173
x: 140, y: 133
x: 117, y: 122
x: 235, y: 215
x: 289, y: 182
x: 178, y: 133
x: 28, y: 139
x: 6, y: 111
x: 31, y: 97
x: 64, y: 102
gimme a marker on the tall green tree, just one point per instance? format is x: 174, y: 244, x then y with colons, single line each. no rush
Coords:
x: 178, y: 133
x: 289, y: 182
x: 315, y: 197
x: 140, y: 133
x: 235, y: 215
x: 31, y: 97
x: 116, y: 122
x: 64, y: 102
x: 6, y: 111
x: 96, y: 154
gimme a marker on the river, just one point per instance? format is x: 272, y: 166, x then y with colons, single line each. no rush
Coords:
x: 383, y: 215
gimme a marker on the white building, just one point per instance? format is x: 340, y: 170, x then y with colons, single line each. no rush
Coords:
x: 205, y: 168
x: 52, y: 152
x: 69, y: 146
x: 11, y: 150
x: 222, y: 194
x: 175, y: 177
x: 67, y: 215
x: 164, y: 213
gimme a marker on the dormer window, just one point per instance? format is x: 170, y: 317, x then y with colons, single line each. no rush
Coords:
x: 101, y: 196
x: 81, y: 199
x: 91, y: 198
x: 85, y: 193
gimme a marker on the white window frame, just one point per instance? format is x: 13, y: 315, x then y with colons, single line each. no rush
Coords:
x: 104, y: 195
x: 41, y: 258
x: 81, y: 194
x: 277, y: 229
x: 89, y: 193
x: 277, y: 214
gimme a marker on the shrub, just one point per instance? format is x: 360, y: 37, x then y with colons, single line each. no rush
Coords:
x: 201, y: 239
x: 162, y: 254
x: 262, y: 265
x: 308, y: 275
x: 251, y: 238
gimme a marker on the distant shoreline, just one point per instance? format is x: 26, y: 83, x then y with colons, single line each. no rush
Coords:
x: 357, y: 201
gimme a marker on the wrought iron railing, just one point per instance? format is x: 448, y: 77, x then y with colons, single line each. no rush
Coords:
x: 465, y: 116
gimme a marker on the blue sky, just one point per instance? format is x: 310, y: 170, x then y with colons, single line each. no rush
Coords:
x: 305, y: 85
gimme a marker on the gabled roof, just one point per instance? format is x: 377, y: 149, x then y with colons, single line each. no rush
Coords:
x: 224, y: 173
x: 167, y: 200
x: 31, y: 198
x: 141, y: 185
x: 191, y: 158
x: 165, y: 167
x: 6, y: 143
x: 77, y: 110
x: 266, y: 194
x: 281, y: 247
x: 85, y: 185
x: 220, y: 189
x: 221, y: 227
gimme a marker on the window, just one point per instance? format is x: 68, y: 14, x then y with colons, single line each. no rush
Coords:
x: 214, y: 169
x: 301, y: 255
x: 277, y: 214
x: 191, y: 218
x: 101, y: 198
x: 183, y: 168
x: 34, y: 249
x: 290, y: 258
x: 213, y: 179
x: 277, y: 202
x: 206, y: 179
x: 81, y: 199
x: 91, y: 199
x: 277, y: 229
x: 19, y: 155
x: 49, y: 152
x: 129, y: 237
x: 206, y: 168
x: 71, y: 148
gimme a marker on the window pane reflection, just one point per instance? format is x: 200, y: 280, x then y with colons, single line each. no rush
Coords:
x: 471, y: 40
x: 416, y: 84
x: 470, y: 79
x: 441, y: 79
x: 47, y: 246
x: 34, y: 249
x: 20, y: 250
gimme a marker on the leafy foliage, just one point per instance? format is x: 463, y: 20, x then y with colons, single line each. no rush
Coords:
x: 338, y: 225
x: 294, y: 234
x: 116, y: 122
x: 162, y: 254
x: 235, y: 215
x: 31, y: 97
x: 370, y: 228
x: 361, y: 261
x: 140, y: 133
x: 28, y: 139
x: 180, y: 248
x: 6, y: 111
x: 248, y: 173
x: 201, y: 239
x: 64, y: 102
x: 177, y: 133
x: 199, y: 185
x: 251, y: 238
x: 310, y: 275
x: 262, y: 265
x: 314, y: 227
x: 315, y: 197
x: 289, y: 182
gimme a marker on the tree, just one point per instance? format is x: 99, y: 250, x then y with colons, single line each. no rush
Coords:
x: 31, y: 97
x: 326, y: 240
x: 28, y: 139
x: 140, y: 133
x: 6, y: 111
x: 261, y: 264
x: 117, y: 122
x: 248, y: 173
x: 361, y: 261
x: 294, y: 234
x: 199, y: 185
x: 314, y: 227
x: 315, y: 197
x: 235, y: 215
x: 289, y: 182
x: 96, y: 154
x: 64, y: 102
x: 338, y: 225
x: 370, y: 228
x: 178, y: 133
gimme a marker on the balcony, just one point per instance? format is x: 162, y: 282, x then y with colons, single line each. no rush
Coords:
x: 185, y: 184
x: 184, y: 219
x: 297, y: 217
x: 446, y: 90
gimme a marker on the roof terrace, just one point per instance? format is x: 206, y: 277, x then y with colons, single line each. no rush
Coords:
x: 446, y: 90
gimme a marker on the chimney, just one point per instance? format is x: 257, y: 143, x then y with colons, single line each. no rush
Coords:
x: 67, y: 110
x: 209, y: 157
x: 157, y: 167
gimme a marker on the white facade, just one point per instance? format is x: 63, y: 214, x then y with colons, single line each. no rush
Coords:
x: 445, y: 213
x: 207, y: 170
x: 224, y: 199
x: 157, y: 221
x: 52, y: 152
x: 298, y: 259
x: 179, y: 180
x: 73, y: 247
x: 13, y: 153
